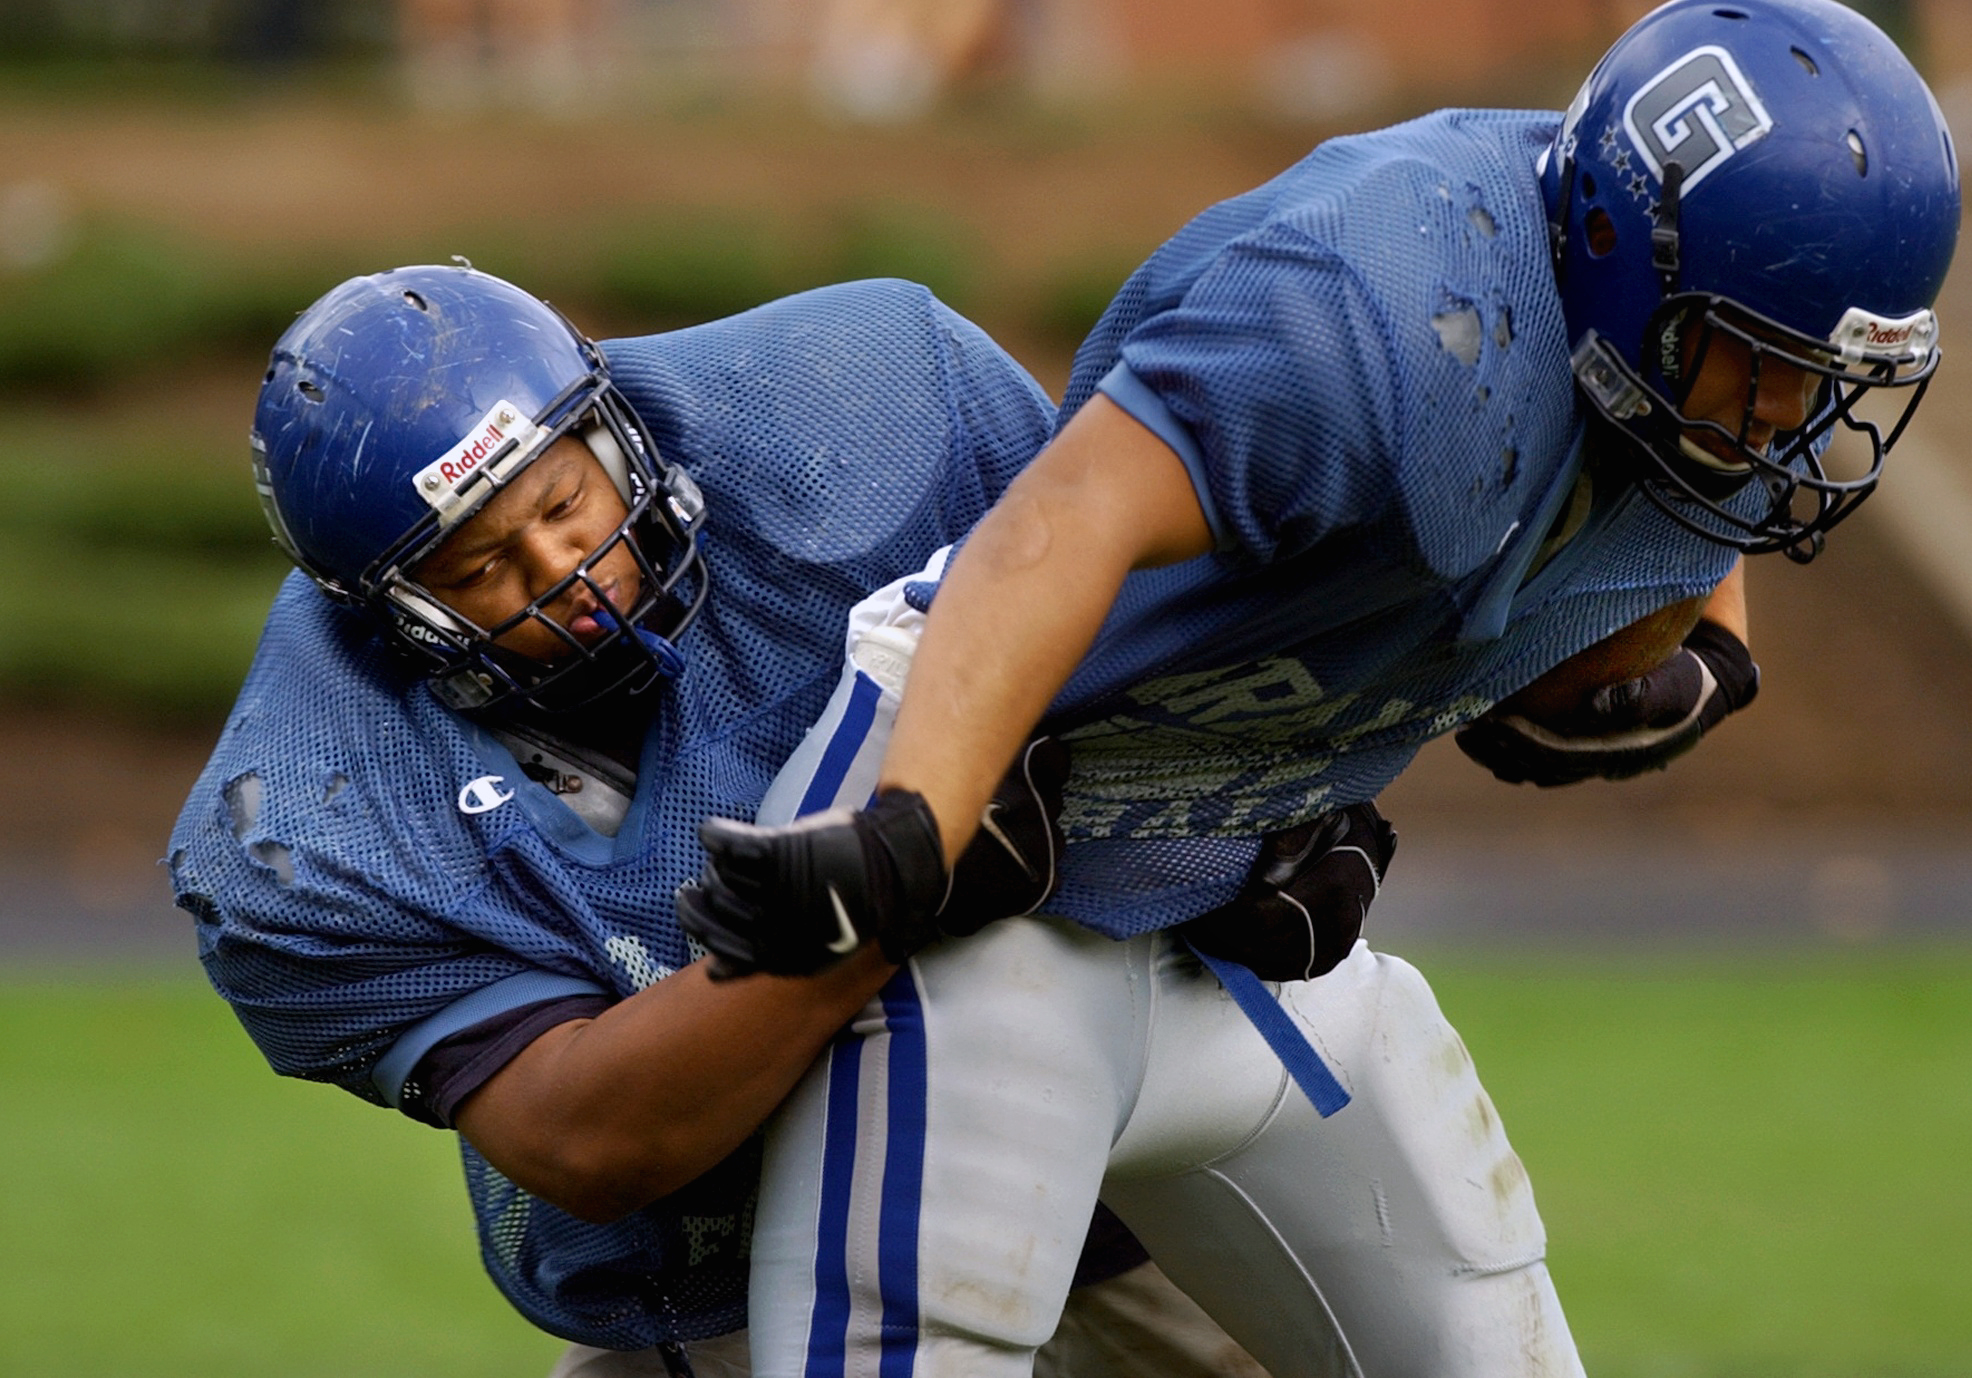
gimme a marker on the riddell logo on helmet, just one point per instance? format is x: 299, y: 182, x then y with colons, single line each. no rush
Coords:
x: 1905, y: 340
x: 455, y: 467
x: 501, y: 437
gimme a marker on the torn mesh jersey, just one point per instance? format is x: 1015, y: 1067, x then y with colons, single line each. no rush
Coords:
x: 1363, y: 365
x: 1378, y: 497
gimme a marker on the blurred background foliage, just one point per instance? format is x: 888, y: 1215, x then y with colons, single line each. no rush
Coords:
x: 1748, y: 1167
x: 103, y: 296
x: 174, y: 544
x: 119, y: 298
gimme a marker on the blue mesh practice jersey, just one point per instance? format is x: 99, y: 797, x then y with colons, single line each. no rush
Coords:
x: 355, y: 908
x: 1363, y: 365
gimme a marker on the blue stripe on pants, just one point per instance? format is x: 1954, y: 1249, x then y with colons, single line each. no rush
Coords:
x: 903, y: 1161
x: 857, y: 715
x: 903, y: 1176
x: 899, y: 1197
x: 828, y: 1327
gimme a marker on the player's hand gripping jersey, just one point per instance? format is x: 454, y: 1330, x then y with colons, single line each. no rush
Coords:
x: 372, y: 873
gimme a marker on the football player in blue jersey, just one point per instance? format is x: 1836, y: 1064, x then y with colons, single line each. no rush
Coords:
x: 1349, y: 463
x: 555, y: 602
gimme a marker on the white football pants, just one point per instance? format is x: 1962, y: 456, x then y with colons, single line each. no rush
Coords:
x: 1134, y: 1325
x: 928, y: 1186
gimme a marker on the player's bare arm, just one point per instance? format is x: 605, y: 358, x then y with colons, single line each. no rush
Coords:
x: 1727, y: 605
x: 601, y: 1116
x: 1024, y: 598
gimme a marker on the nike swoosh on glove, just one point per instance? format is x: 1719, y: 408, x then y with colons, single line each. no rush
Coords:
x: 1625, y: 729
x: 796, y: 899
x: 1304, y: 902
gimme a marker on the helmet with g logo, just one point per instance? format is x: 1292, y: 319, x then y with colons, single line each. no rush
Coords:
x: 1770, y: 178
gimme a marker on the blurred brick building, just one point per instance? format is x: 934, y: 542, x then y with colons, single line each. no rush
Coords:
x: 1317, y: 57
x: 1944, y: 29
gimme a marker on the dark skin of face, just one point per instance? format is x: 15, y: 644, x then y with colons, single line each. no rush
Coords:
x: 1718, y: 394
x: 530, y: 536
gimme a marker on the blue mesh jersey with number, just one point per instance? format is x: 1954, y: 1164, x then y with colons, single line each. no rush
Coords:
x: 355, y: 911
x: 1363, y: 365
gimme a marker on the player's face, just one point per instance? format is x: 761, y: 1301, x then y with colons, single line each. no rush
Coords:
x: 529, y: 537
x: 1719, y: 394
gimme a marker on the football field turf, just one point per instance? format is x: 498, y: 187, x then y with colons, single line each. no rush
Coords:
x: 1748, y: 1165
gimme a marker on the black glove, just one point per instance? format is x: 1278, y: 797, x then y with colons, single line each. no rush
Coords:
x: 1303, y: 904
x: 1012, y: 864
x: 796, y: 899
x: 1628, y: 728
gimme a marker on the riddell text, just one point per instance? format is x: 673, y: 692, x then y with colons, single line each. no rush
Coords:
x: 458, y: 466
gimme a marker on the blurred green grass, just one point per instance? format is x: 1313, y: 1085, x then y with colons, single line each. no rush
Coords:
x: 1753, y: 1167
x: 174, y: 1209
x: 1747, y: 1167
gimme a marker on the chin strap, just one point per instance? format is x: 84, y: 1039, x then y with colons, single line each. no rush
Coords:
x: 1557, y: 223
x: 1664, y: 233
x: 670, y: 660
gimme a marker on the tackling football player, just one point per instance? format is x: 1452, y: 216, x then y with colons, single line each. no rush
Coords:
x: 433, y: 856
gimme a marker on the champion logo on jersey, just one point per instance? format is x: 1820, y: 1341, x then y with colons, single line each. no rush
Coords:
x: 484, y: 794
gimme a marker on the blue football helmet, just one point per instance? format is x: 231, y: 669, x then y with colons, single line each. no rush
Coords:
x: 396, y: 406
x: 1769, y: 179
